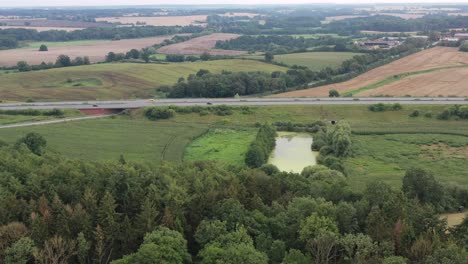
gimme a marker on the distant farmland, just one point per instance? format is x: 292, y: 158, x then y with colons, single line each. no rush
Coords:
x: 433, y: 58
x: 315, y: 61
x: 40, y: 29
x: 111, y: 81
x: 95, y: 50
x: 202, y: 44
x: 157, y: 21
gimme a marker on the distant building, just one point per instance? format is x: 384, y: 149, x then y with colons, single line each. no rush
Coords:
x: 379, y: 43
x: 450, y: 40
x: 420, y: 37
x: 462, y: 36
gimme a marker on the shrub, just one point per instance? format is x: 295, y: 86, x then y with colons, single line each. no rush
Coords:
x: 154, y: 113
x: 43, y: 48
x: 333, y: 93
x: 415, y: 113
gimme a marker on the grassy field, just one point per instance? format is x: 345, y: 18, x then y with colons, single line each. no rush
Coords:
x: 51, y: 44
x: 112, y: 81
x: 11, y: 119
x: 226, y: 145
x: 107, y: 139
x: 454, y: 219
x: 385, y: 143
x: 315, y: 61
x: 387, y: 157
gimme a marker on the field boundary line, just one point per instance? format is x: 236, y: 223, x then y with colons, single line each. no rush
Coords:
x: 48, y: 122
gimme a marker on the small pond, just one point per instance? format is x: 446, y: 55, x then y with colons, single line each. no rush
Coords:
x: 292, y: 152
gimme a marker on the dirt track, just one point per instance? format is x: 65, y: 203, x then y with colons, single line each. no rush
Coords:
x: 96, y: 51
x: 202, y: 44
x: 428, y: 59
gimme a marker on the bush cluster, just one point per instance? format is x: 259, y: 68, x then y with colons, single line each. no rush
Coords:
x: 33, y: 112
x: 457, y: 111
x: 260, y: 149
x: 381, y: 107
x: 313, y: 127
x: 156, y: 113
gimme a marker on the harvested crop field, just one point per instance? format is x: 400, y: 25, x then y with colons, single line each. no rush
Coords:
x: 402, y: 15
x: 111, y: 80
x: 52, y: 23
x: 428, y: 59
x: 449, y: 82
x: 40, y: 29
x: 157, y: 21
x: 96, y: 51
x: 337, y: 18
x: 202, y: 44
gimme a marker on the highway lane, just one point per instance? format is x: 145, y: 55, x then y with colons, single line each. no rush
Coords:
x: 123, y: 104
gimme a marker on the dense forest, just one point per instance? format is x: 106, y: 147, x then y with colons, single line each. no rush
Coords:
x: 57, y: 210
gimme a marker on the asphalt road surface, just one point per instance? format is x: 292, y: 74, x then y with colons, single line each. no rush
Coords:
x: 123, y: 104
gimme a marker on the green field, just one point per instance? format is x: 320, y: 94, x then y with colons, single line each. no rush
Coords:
x: 385, y: 143
x: 112, y: 81
x: 315, y: 61
x: 387, y: 157
x: 225, y: 145
x: 36, y: 45
x: 107, y: 139
x: 11, y: 119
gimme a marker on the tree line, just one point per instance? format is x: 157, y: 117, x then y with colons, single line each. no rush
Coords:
x: 229, y: 84
x: 260, y: 149
x: 395, y: 24
x: 10, y: 38
x: 58, y: 210
x: 280, y: 44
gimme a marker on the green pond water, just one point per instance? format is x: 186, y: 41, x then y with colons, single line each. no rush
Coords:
x: 292, y: 152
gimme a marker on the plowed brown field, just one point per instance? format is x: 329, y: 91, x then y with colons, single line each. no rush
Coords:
x: 202, y: 44
x: 428, y: 59
x: 96, y: 51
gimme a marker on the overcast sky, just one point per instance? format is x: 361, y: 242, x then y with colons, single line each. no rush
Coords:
x: 23, y: 3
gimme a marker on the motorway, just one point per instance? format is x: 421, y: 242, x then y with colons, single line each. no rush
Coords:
x: 124, y: 104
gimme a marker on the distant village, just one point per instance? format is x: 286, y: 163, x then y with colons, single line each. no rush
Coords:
x: 449, y: 39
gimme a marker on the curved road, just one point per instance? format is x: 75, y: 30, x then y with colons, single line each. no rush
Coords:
x: 124, y: 104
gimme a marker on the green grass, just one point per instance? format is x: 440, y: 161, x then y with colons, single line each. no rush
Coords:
x: 116, y: 80
x: 50, y: 44
x: 158, y: 56
x: 385, y: 143
x: 360, y: 118
x: 315, y: 61
x: 106, y: 139
x: 396, y: 78
x: 221, y: 144
x: 387, y: 157
x: 11, y: 119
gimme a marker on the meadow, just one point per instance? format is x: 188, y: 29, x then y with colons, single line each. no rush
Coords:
x: 315, y: 61
x: 106, y: 139
x: 112, y: 80
x: 385, y: 144
x: 386, y: 158
x: 226, y: 145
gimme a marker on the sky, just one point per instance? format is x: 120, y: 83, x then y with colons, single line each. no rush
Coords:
x: 25, y: 3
